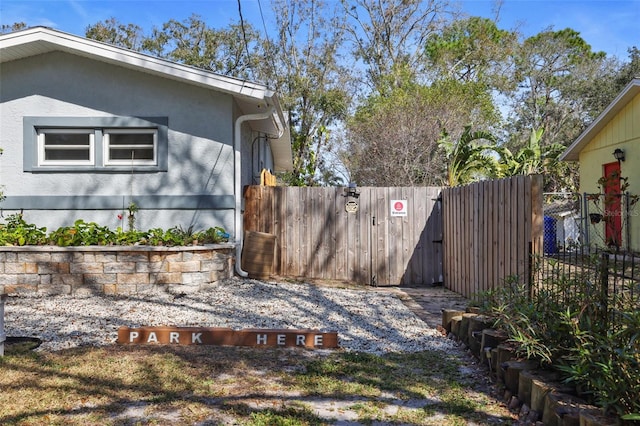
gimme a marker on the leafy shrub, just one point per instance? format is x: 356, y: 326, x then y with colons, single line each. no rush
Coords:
x: 604, y: 362
x: 568, y: 323
x: 17, y: 232
x: 82, y: 234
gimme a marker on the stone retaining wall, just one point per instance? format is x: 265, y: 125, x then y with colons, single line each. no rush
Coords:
x: 113, y: 270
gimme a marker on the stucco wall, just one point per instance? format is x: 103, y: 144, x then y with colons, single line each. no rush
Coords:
x: 200, y: 158
x: 623, y: 132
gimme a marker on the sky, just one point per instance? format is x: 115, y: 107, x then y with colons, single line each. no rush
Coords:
x: 607, y: 25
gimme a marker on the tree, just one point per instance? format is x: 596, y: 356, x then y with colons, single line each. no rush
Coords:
x: 190, y: 42
x: 468, y: 161
x: 551, y: 68
x: 17, y: 26
x: 472, y: 50
x: 111, y: 31
x: 393, y: 139
x: 388, y: 36
x: 301, y: 64
x: 234, y: 51
x: 315, y: 89
x: 598, y: 94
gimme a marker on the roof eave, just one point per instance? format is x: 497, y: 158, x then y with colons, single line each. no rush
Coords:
x: 572, y: 153
x: 51, y: 40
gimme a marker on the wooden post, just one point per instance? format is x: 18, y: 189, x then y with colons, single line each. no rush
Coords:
x: 474, y: 333
x: 455, y: 325
x: 512, y: 373
x: 447, y: 316
x: 464, y: 327
x: 491, y: 338
x: 505, y: 353
x: 561, y: 409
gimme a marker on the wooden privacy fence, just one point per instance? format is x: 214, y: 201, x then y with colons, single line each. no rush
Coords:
x: 471, y: 238
x: 384, y: 236
x: 491, y: 229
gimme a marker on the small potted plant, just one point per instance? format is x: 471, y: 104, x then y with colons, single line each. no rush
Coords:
x: 595, y: 218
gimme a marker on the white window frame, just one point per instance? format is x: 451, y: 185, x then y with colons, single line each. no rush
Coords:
x: 42, y: 147
x: 33, y: 151
x: 108, y: 161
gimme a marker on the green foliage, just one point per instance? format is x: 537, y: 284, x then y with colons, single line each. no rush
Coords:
x: 605, y: 361
x: 131, y: 216
x: 388, y: 147
x: 466, y: 160
x: 113, y: 32
x: 213, y: 235
x: 569, y: 323
x: 82, y: 233
x: 533, y: 158
x: 130, y: 237
x: 17, y: 26
x: 519, y: 315
x: 16, y: 232
x: 472, y: 50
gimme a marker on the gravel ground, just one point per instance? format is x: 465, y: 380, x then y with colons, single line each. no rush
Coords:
x: 366, y: 320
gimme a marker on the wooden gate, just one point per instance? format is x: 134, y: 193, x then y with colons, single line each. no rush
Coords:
x: 492, y: 230
x: 384, y: 236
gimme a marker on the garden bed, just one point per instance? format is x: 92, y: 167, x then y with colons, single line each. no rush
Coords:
x: 113, y: 269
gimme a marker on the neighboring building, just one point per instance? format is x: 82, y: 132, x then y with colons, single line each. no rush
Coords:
x: 87, y: 128
x: 614, y: 134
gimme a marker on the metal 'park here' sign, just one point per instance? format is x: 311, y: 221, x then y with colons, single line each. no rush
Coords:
x: 227, y: 337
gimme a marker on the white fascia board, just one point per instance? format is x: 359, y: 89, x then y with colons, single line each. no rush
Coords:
x: 572, y: 153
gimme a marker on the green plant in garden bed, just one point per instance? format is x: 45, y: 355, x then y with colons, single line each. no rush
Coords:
x: 570, y: 324
x: 604, y: 362
x: 82, y: 234
x: 17, y: 232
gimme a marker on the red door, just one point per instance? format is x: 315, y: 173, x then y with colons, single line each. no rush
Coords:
x: 612, y: 204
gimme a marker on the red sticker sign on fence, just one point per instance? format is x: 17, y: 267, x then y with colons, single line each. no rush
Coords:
x: 398, y: 207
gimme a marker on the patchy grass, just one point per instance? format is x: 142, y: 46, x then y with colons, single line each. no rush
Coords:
x: 225, y: 385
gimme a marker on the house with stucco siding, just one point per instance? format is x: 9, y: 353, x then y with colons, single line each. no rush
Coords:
x: 88, y: 128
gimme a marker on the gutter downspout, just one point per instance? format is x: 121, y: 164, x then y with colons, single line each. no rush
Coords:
x: 237, y: 144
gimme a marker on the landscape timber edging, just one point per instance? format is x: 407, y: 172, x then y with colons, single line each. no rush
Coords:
x: 50, y: 270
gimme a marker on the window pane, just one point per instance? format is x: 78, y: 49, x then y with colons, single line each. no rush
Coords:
x: 137, y: 145
x: 67, y: 147
x: 131, y: 139
x: 66, y: 155
x: 131, y: 153
x: 67, y: 139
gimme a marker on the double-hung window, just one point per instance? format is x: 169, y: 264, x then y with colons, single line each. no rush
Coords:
x: 107, y: 144
x: 130, y: 146
x: 66, y: 147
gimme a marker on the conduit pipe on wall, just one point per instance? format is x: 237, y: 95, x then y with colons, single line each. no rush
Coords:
x: 238, y: 181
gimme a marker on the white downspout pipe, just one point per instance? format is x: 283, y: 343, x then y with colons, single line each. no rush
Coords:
x: 238, y: 181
